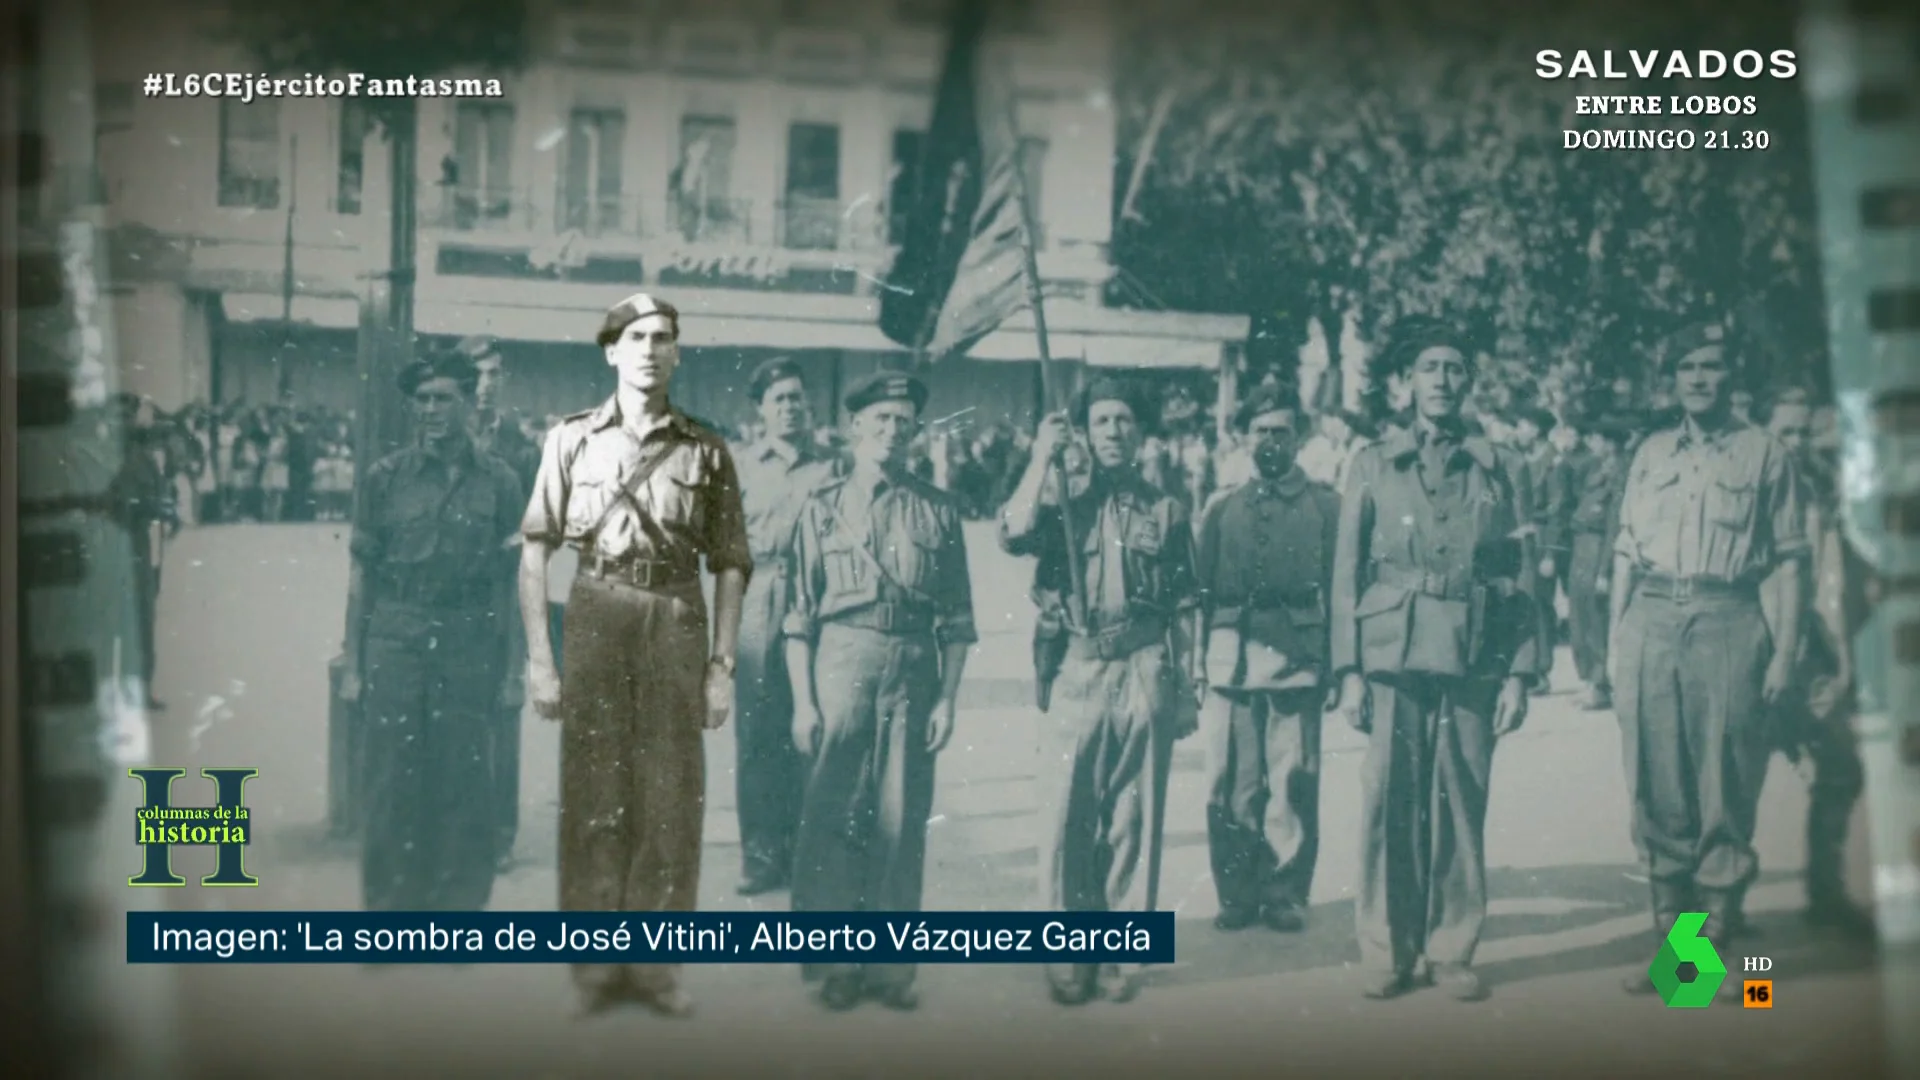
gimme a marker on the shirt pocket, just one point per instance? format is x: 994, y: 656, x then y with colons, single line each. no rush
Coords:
x: 471, y: 522
x: 677, y: 491
x: 841, y: 564
x: 587, y: 502
x: 1730, y: 504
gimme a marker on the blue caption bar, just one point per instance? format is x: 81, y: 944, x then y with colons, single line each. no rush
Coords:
x: 602, y: 937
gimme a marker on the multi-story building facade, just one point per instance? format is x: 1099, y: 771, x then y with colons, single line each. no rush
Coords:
x: 746, y: 162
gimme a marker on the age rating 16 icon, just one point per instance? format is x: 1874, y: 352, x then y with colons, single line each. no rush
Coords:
x: 1684, y: 948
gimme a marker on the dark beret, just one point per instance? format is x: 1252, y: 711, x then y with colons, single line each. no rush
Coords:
x: 1106, y: 388
x: 1264, y: 400
x: 778, y: 369
x: 631, y: 310
x: 1412, y: 336
x: 1692, y: 339
x: 440, y: 364
x: 887, y: 386
x: 479, y: 346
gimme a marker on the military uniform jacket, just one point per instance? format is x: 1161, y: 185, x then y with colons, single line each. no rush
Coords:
x: 1725, y: 505
x: 688, y: 507
x: 914, y: 565
x: 435, y: 530
x: 1433, y: 570
x: 1264, y: 566
x: 1136, y: 546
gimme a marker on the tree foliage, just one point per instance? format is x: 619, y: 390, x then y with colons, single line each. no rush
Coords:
x: 1377, y: 159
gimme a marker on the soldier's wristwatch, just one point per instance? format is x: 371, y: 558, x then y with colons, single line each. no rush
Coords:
x: 724, y: 663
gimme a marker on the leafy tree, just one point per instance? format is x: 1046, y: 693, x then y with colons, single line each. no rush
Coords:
x: 426, y: 38
x: 1346, y: 166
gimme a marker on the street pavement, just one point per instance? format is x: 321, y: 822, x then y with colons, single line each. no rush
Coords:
x: 250, y: 616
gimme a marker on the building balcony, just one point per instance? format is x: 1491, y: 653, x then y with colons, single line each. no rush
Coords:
x: 819, y: 245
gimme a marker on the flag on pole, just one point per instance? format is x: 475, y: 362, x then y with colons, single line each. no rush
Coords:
x: 958, y: 274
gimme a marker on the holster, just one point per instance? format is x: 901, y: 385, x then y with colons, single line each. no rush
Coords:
x: 1049, y: 652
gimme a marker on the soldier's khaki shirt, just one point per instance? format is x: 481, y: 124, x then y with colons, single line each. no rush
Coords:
x: 776, y: 480
x: 1727, y: 504
x: 909, y: 528
x: 1136, y: 548
x: 690, y: 506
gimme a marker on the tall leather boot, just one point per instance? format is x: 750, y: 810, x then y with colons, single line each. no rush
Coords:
x: 1672, y: 897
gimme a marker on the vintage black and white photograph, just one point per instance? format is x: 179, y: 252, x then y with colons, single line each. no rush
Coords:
x: 1396, y: 485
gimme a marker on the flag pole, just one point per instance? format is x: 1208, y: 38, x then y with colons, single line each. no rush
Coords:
x: 1049, y: 378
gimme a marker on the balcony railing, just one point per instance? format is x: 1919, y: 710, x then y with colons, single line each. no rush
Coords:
x: 711, y: 220
x: 792, y: 224
x: 483, y: 210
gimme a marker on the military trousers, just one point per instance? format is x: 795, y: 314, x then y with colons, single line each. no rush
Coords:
x: 1262, y: 743
x: 632, y: 761
x: 768, y: 776
x: 1830, y: 749
x: 862, y: 840
x: 1423, y: 806
x: 1106, y: 745
x: 1694, y: 737
x: 431, y: 683
x: 1587, y: 606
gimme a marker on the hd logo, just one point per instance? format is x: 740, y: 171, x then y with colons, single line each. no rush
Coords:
x: 1685, y: 945
x: 226, y: 826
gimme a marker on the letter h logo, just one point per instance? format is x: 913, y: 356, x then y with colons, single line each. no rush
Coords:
x: 160, y: 826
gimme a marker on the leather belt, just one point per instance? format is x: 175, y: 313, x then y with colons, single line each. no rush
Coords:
x: 650, y: 574
x: 1438, y: 586
x: 1682, y: 588
x: 899, y: 620
x: 1118, y: 642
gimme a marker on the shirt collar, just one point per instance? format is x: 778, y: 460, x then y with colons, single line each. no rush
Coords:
x: 1689, y: 432
x: 787, y: 452
x: 1402, y: 445
x: 608, y: 415
x: 458, y: 453
x: 1288, y: 486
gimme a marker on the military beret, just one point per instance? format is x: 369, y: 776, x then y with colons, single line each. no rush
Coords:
x: 1265, y: 400
x: 1106, y: 388
x: 1692, y: 339
x: 778, y: 369
x: 887, y: 386
x: 631, y: 310
x: 1412, y: 336
x: 440, y: 364
x: 479, y: 346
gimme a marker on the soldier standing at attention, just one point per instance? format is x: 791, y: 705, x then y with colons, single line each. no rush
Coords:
x: 1122, y: 696
x: 777, y: 475
x: 1816, y: 715
x: 1265, y: 563
x: 1712, y: 507
x: 1436, y: 643
x: 879, y: 625
x: 643, y: 492
x: 1594, y: 479
x: 428, y: 632
x: 496, y: 432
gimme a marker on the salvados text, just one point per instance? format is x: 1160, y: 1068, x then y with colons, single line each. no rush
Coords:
x: 1666, y: 64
